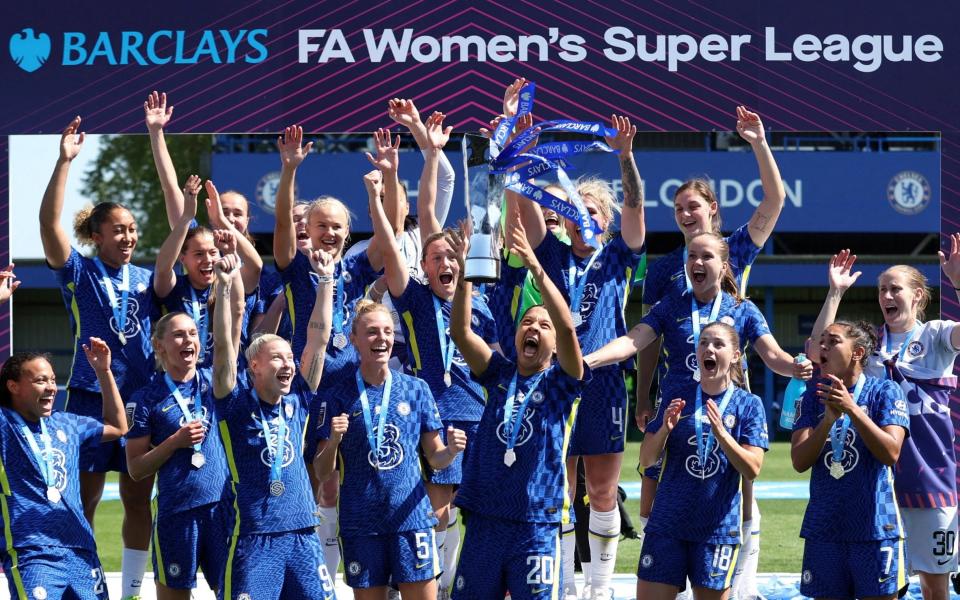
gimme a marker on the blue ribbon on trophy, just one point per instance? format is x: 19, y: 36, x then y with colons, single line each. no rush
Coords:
x: 490, y: 166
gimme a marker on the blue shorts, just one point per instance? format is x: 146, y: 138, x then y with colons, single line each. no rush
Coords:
x: 376, y: 560
x: 55, y: 573
x: 671, y: 561
x: 452, y: 474
x: 191, y: 539
x: 600, y: 427
x: 499, y: 555
x: 105, y: 456
x: 277, y: 566
x: 852, y: 569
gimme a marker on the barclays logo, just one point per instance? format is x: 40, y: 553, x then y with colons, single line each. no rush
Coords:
x: 29, y: 50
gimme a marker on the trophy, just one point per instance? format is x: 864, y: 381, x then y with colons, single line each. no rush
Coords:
x: 483, y: 194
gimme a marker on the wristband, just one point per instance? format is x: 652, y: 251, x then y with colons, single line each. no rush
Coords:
x: 324, y: 278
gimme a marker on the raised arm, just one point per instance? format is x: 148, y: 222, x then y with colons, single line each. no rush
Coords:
x: 568, y: 346
x: 157, y: 114
x: 631, y: 220
x: 284, y: 232
x: 56, y: 242
x: 164, y: 277
x: 395, y: 268
x: 840, y: 278
x: 229, y: 298
x: 623, y: 347
x: 114, y: 416
x: 779, y: 361
x: 437, y: 138
x: 251, y: 262
x: 438, y: 455
x: 387, y: 162
x: 325, y: 460
x: 474, y: 350
x: 951, y: 268
x: 765, y: 216
x: 8, y: 283
x: 318, y: 328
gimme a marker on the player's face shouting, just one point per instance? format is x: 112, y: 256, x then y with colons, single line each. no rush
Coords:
x: 235, y: 210
x: 705, y: 263
x: 898, y: 300
x: 838, y: 354
x: 117, y: 237
x: 536, y: 338
x: 327, y: 226
x: 198, y: 258
x: 373, y: 337
x: 179, y: 347
x: 34, y: 392
x: 716, y: 354
x: 693, y: 213
x: 441, y: 267
x: 300, y: 224
x: 273, y: 367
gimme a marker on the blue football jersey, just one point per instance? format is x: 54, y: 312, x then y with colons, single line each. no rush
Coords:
x: 249, y: 458
x: 605, y: 291
x: 672, y: 318
x: 300, y: 286
x: 860, y: 505
x: 534, y: 488
x: 665, y: 276
x: 88, y: 305
x: 463, y: 400
x: 391, y: 498
x: 700, y: 502
x: 180, y: 486
x: 27, y: 517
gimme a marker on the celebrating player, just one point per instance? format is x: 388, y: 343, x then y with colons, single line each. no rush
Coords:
x: 262, y: 420
x: 918, y: 356
x: 48, y: 548
x: 381, y: 421
x: 108, y: 297
x: 850, y: 431
x: 694, y: 529
x: 512, y: 539
x: 180, y: 440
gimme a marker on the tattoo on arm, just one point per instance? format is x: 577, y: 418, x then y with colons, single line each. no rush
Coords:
x: 632, y: 190
x: 319, y: 325
x: 313, y: 368
x: 760, y: 223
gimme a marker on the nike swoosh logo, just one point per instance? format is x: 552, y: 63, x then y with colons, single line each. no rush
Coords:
x: 539, y: 591
x: 712, y: 575
x: 614, y: 438
x: 884, y: 579
x: 421, y: 565
x: 166, y: 409
x: 358, y: 413
x: 944, y: 561
x: 676, y: 276
x: 680, y: 319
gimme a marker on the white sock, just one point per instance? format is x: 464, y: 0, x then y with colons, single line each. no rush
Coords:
x: 604, y: 538
x: 132, y: 565
x: 642, y: 529
x: 587, y: 572
x: 745, y: 580
x: 568, y: 547
x: 440, y: 538
x: 451, y: 549
x: 328, y: 537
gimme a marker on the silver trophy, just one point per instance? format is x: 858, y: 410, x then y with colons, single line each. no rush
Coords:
x: 483, y: 194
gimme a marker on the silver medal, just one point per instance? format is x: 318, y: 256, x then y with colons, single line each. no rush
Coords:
x: 509, y: 457
x: 123, y: 338
x: 276, y: 488
x: 340, y: 341
x: 53, y: 494
x: 577, y: 319
x: 198, y: 460
x: 446, y: 379
x: 696, y: 374
x: 836, y: 470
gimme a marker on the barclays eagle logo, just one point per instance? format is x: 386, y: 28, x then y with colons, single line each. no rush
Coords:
x: 29, y: 50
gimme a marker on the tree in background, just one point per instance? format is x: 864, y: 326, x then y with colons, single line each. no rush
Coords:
x: 124, y: 172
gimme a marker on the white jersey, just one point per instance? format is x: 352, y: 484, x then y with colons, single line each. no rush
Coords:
x: 929, y: 355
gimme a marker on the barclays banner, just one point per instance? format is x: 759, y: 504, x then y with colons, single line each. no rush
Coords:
x: 891, y: 192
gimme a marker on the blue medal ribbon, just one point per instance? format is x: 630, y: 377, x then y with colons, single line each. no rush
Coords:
x: 686, y: 275
x: 446, y: 345
x: 43, y: 458
x: 838, y: 433
x: 200, y: 319
x: 338, y: 303
x: 119, y: 309
x: 275, y: 450
x: 182, y: 402
x: 375, y: 437
x: 524, y: 106
x: 906, y: 342
x: 699, y: 416
x: 695, y: 316
x: 578, y: 285
x: 511, y: 425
